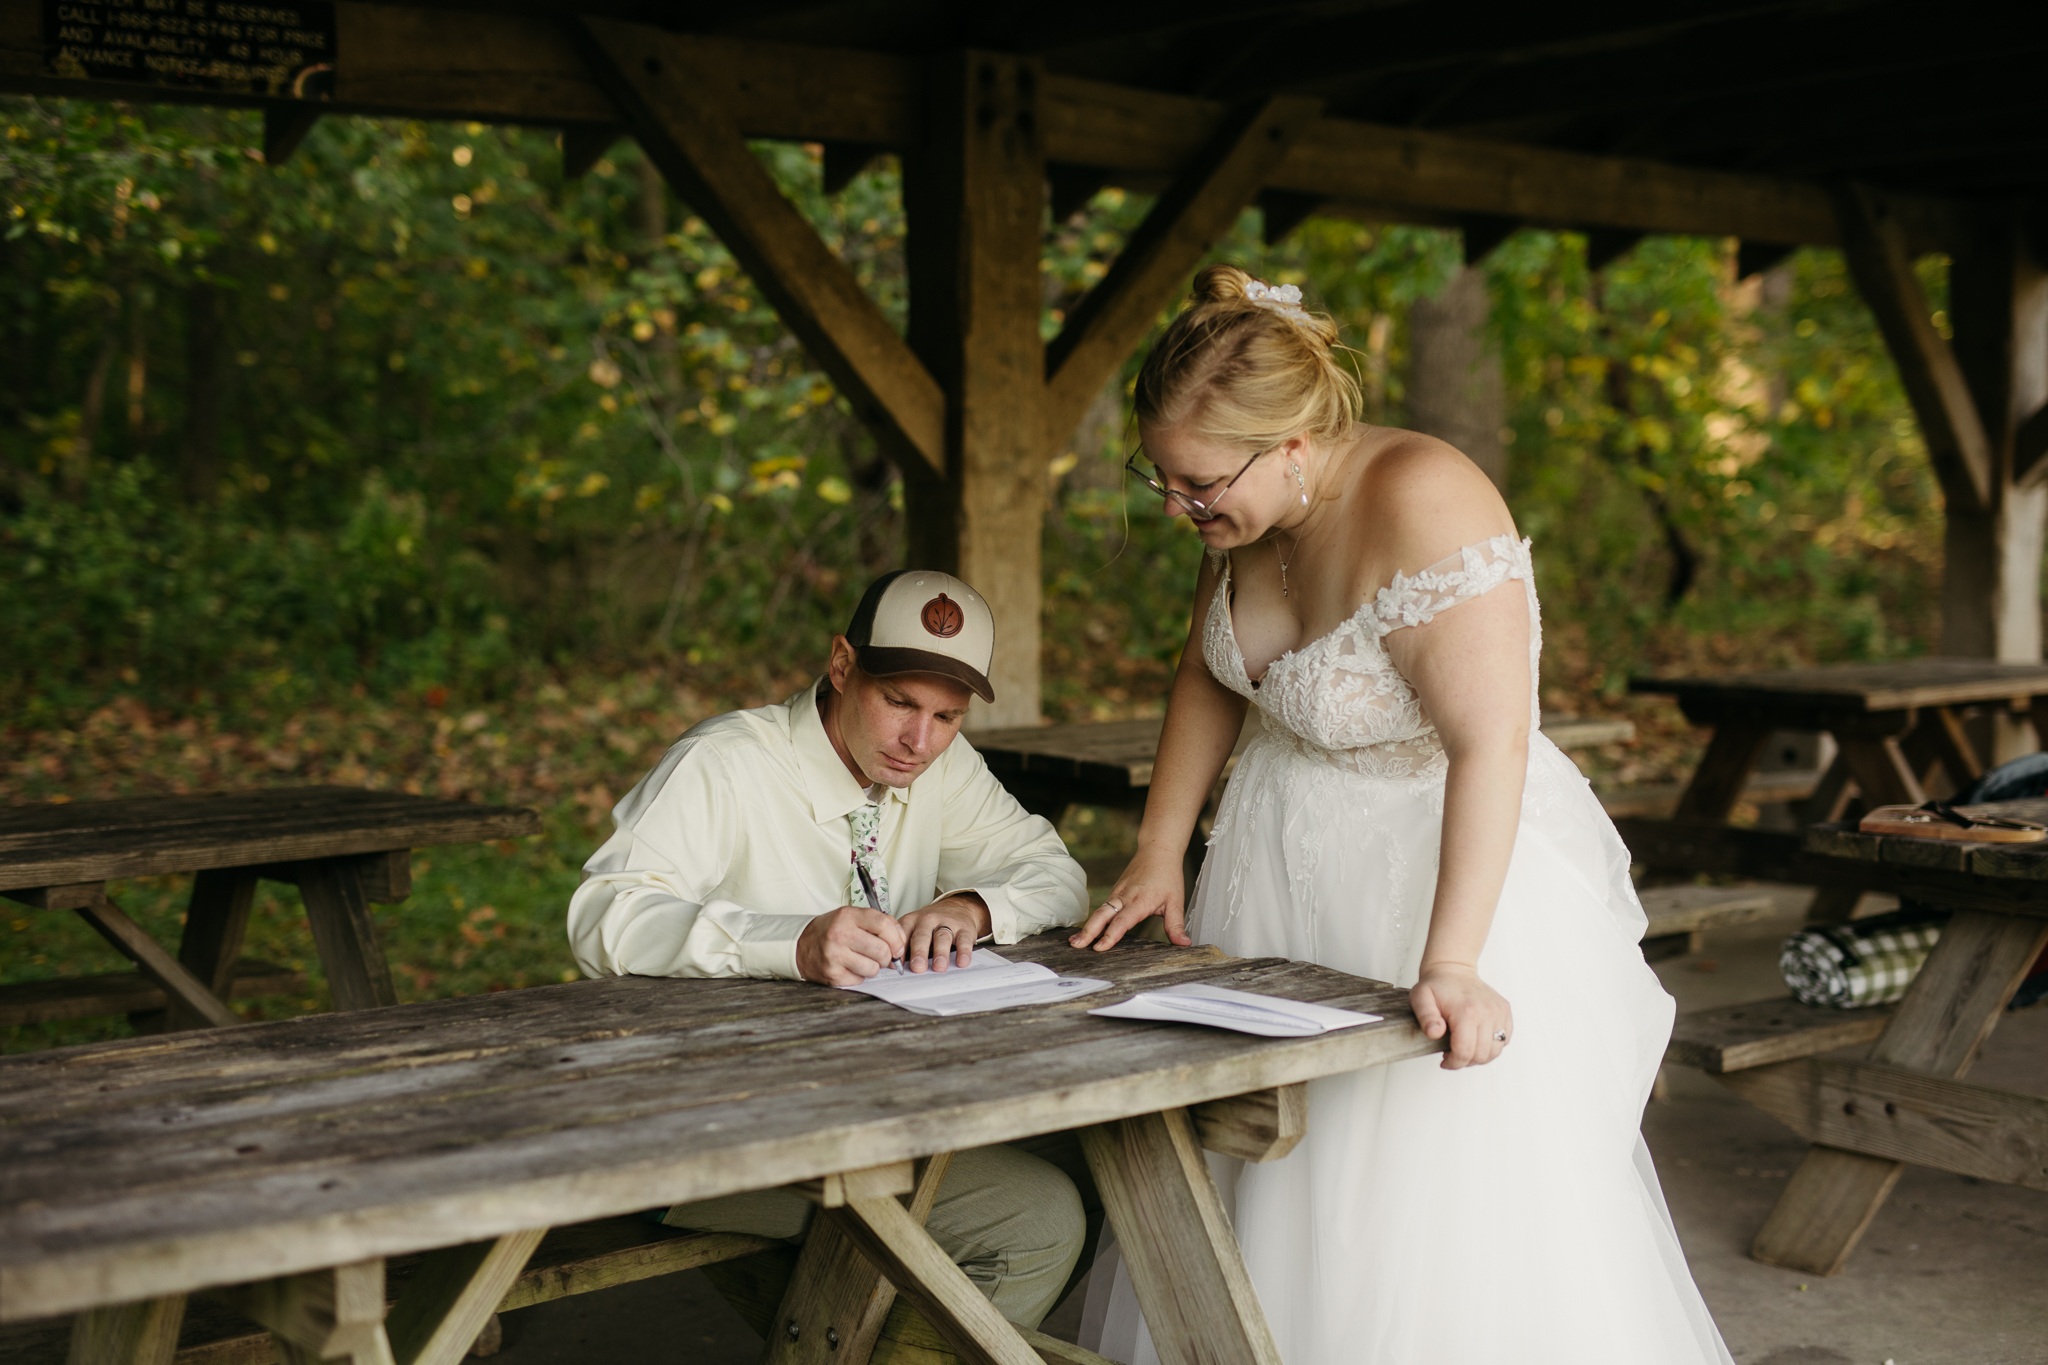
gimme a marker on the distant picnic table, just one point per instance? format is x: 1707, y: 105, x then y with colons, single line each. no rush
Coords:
x: 279, y: 1165
x: 344, y: 847
x: 1868, y: 1116
x: 1895, y: 726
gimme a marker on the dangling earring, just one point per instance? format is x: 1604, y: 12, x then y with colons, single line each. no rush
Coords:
x: 1299, y: 482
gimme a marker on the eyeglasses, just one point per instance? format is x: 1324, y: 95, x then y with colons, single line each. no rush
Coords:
x: 1197, y: 510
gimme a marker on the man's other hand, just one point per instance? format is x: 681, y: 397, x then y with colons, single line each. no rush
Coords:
x: 943, y: 934
x: 845, y: 947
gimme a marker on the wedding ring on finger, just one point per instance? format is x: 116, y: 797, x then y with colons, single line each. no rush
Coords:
x: 1112, y: 906
x: 1500, y: 1035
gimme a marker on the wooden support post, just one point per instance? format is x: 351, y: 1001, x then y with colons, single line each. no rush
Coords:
x: 451, y: 1296
x: 357, y: 974
x: 974, y: 192
x: 1262, y: 1126
x: 1951, y: 1008
x: 335, y: 1314
x: 1184, y: 1260
x: 144, y: 1333
x: 130, y: 940
x: 692, y: 138
x: 216, y: 918
x: 1723, y: 771
x: 888, y: 1236
x: 835, y: 1306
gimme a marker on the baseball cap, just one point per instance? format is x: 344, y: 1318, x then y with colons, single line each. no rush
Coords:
x: 924, y: 621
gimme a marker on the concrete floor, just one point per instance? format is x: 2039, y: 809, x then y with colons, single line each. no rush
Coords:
x: 1952, y: 1272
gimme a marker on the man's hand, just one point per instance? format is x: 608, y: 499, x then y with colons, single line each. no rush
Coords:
x: 845, y: 947
x: 943, y: 934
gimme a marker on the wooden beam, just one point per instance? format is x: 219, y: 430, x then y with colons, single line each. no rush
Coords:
x: 1262, y: 1126
x: 1480, y: 233
x: 331, y: 1314
x: 1283, y: 211
x: 452, y: 1295
x: 1874, y: 244
x: 134, y: 943
x: 704, y: 155
x: 888, y: 1236
x: 845, y: 160
x: 1204, y: 200
x: 2029, y: 445
x: 513, y: 68
x: 1883, y: 1111
x: 144, y: 1333
x: 584, y: 145
x: 974, y: 194
x: 284, y: 127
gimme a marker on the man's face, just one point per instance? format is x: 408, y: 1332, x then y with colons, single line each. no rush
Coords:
x: 892, y: 728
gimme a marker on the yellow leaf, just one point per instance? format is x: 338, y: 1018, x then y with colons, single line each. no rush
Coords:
x: 835, y: 490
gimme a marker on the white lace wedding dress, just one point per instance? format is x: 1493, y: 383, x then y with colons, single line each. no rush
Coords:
x: 1500, y: 1215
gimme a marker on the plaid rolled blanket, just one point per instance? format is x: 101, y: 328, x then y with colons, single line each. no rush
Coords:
x: 1868, y: 962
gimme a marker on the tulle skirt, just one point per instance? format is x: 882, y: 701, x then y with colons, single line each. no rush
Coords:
x: 1505, y: 1213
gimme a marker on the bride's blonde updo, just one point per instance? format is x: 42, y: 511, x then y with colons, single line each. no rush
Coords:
x: 1244, y: 368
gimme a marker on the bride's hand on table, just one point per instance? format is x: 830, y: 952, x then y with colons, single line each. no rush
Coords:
x: 1150, y: 886
x: 1450, y: 998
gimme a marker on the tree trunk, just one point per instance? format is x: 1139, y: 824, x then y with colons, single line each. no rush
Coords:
x: 1455, y: 388
x: 199, y: 457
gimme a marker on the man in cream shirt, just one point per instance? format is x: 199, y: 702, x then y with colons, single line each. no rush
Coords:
x: 824, y: 839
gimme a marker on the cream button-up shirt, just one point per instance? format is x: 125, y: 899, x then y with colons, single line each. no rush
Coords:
x: 741, y: 836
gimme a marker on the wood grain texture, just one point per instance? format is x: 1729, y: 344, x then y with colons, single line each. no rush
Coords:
x: 887, y: 1235
x: 175, y: 1162
x: 337, y: 911
x: 1177, y: 1244
x: 82, y: 997
x: 144, y: 1333
x: 1901, y: 1115
x: 184, y: 991
x: 873, y: 1182
x: 1690, y: 909
x: 1738, y: 1037
x: 452, y: 1294
x: 1262, y: 1126
x: 1951, y: 1007
x: 85, y: 841
x: 1723, y: 770
x: 1842, y: 690
x: 335, y: 1312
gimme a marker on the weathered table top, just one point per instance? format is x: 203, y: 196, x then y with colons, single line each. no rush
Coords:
x: 1118, y: 754
x: 1858, y: 688
x: 2011, y: 878
x: 165, y: 1164
x: 93, y: 841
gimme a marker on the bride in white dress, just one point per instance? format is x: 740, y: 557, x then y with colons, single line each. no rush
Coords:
x: 1399, y: 817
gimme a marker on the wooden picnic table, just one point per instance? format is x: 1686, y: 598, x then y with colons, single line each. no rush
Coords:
x: 1895, y: 726
x: 344, y: 847
x: 277, y: 1165
x: 1906, y: 1102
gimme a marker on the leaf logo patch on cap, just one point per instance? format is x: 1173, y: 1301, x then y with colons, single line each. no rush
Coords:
x: 942, y: 617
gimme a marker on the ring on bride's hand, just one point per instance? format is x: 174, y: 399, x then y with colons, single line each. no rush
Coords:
x: 1500, y: 1035
x: 1113, y: 906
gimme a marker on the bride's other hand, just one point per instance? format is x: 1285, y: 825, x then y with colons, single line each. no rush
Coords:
x: 1150, y: 886
x: 1450, y: 997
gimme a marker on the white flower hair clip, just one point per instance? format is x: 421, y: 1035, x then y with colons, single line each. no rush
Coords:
x: 1284, y: 299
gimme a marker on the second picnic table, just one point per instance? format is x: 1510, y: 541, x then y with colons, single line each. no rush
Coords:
x: 344, y: 847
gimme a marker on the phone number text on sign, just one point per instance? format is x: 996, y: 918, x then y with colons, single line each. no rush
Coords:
x: 280, y: 51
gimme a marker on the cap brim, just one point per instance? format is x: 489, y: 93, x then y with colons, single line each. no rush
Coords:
x: 884, y: 662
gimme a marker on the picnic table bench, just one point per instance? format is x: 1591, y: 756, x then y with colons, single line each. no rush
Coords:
x: 278, y: 1167
x: 344, y: 847
x: 1895, y: 726
x: 1906, y: 1101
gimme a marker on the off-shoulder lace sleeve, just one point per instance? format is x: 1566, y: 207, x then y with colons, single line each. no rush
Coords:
x: 1472, y: 571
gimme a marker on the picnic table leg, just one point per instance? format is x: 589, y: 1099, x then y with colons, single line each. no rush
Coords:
x: 144, y: 1333
x: 887, y: 1235
x: 343, y: 931
x: 1949, y: 1011
x: 216, y: 919
x: 452, y: 1295
x: 1177, y: 1242
x: 837, y: 1301
x: 332, y: 1314
x: 135, y: 944
x: 1724, y: 770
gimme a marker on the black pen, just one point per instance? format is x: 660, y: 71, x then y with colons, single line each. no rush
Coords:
x: 867, y: 886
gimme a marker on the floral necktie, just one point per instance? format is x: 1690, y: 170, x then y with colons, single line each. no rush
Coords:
x: 867, y: 831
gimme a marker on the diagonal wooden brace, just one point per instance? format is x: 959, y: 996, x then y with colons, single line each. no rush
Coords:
x: 452, y: 1295
x: 135, y: 944
x: 319, y: 1315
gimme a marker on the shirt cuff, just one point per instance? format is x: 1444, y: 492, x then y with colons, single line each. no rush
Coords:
x: 1002, y: 916
x: 766, y: 945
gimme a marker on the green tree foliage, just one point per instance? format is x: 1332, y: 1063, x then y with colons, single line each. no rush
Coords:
x: 412, y: 412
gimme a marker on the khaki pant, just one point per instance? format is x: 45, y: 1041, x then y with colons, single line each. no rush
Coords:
x: 1014, y: 1217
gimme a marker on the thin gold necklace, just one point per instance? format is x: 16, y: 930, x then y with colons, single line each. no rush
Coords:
x: 1283, y: 562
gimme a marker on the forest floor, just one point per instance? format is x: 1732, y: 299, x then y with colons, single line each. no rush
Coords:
x: 482, y: 917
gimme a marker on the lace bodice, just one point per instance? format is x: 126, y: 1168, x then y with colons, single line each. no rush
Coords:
x: 1339, y: 697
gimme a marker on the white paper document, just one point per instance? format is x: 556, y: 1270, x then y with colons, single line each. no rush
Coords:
x: 1220, y: 1007
x: 989, y: 984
